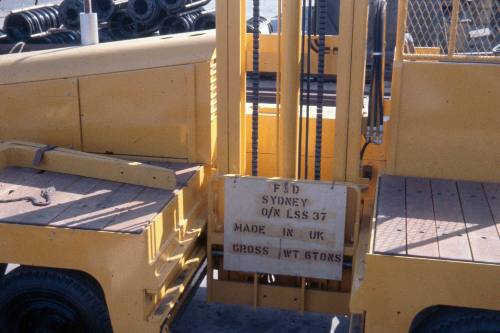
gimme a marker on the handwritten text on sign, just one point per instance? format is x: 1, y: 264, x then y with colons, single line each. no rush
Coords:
x: 284, y: 227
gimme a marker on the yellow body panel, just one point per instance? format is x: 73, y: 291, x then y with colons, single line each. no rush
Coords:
x: 406, y: 286
x: 142, y: 103
x: 448, y: 124
x: 155, y: 116
x: 42, y: 112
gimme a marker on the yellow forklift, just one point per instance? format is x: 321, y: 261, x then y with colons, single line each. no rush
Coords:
x: 128, y: 169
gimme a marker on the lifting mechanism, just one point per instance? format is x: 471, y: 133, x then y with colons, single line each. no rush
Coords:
x: 128, y: 170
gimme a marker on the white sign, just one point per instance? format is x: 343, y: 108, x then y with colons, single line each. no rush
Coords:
x: 284, y: 227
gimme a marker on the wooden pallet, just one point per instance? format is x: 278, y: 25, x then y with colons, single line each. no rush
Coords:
x: 435, y: 218
x: 82, y: 202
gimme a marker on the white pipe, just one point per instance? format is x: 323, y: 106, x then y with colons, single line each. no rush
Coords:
x: 89, y: 29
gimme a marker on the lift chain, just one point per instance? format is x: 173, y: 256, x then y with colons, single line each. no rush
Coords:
x: 255, y: 88
x: 322, y: 6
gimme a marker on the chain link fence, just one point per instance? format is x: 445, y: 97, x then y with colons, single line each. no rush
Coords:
x: 453, y: 28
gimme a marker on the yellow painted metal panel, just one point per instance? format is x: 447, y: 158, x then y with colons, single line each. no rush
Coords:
x: 289, y: 298
x: 222, y: 87
x: 343, y: 88
x: 206, y: 112
x: 448, y: 123
x: 426, y: 282
x: 155, y: 116
x: 290, y: 89
x: 113, y: 57
x: 357, y: 88
x: 45, y: 112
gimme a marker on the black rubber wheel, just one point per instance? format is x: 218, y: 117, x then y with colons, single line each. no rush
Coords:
x: 461, y: 321
x: 37, y: 300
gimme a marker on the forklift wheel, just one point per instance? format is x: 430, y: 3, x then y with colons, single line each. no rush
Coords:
x: 48, y: 300
x: 461, y: 321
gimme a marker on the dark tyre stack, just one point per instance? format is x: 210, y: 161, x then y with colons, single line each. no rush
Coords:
x: 55, y: 25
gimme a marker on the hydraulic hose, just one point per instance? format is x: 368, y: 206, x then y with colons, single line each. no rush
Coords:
x: 375, y: 122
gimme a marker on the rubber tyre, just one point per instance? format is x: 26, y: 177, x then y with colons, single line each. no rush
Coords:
x: 47, y: 300
x: 461, y: 321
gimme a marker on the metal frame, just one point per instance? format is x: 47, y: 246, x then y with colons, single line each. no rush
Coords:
x: 452, y: 40
x: 283, y: 52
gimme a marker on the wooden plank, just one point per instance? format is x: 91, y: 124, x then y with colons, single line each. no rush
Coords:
x: 64, y: 198
x: 420, y: 223
x: 13, y: 177
x: 22, y: 211
x: 91, y: 165
x: 493, y: 195
x: 120, y: 201
x: 481, y: 229
x: 450, y: 224
x: 85, y: 212
x: 19, y: 211
x: 84, y: 203
x: 144, y: 208
x: 390, y: 236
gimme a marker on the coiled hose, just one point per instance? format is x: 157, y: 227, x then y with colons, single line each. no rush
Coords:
x: 179, y: 23
x: 205, y: 21
x: 122, y: 26
x: 144, y: 12
x: 57, y: 36
x: 177, y: 6
x: 22, y: 24
x: 106, y: 8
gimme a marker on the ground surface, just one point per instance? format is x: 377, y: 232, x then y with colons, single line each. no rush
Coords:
x: 198, y: 316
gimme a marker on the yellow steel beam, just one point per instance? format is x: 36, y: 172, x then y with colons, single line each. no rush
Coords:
x: 231, y: 84
x: 18, y: 153
x: 290, y: 88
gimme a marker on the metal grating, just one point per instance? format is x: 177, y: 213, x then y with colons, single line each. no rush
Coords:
x: 478, y: 27
x: 452, y: 28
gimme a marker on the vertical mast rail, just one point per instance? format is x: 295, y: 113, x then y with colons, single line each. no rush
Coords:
x: 290, y: 82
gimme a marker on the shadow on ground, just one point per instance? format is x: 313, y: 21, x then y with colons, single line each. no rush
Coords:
x: 198, y: 316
